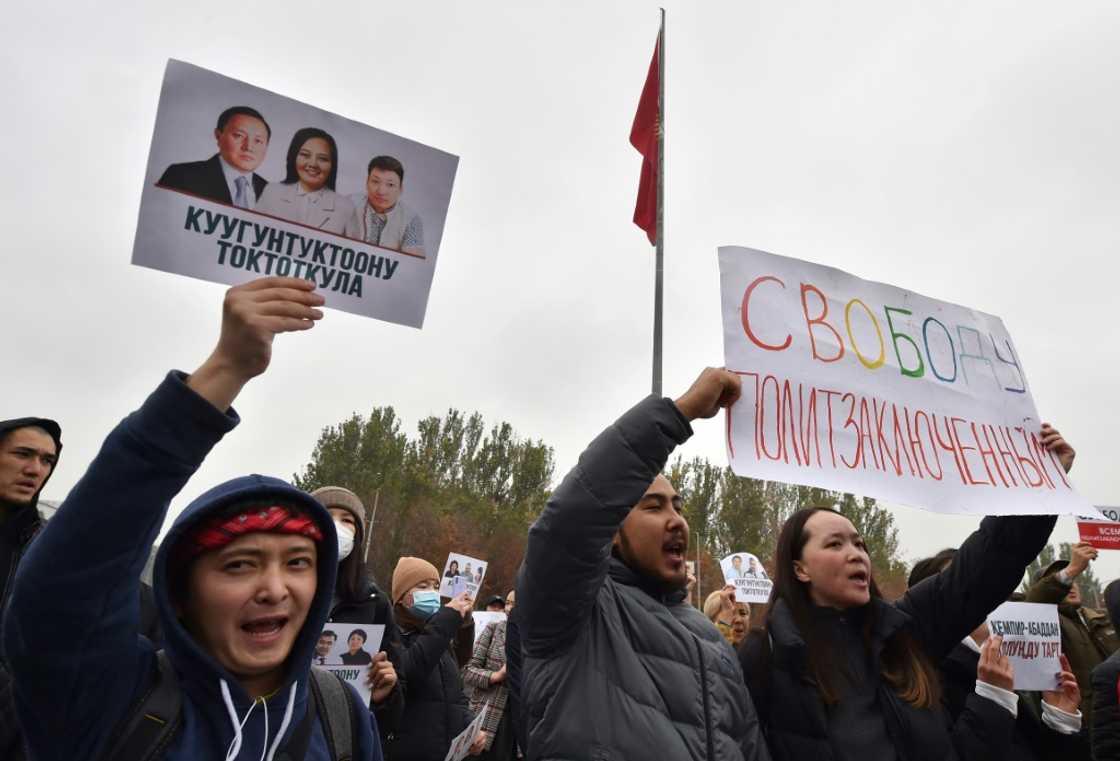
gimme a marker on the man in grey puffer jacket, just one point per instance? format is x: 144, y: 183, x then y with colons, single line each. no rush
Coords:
x: 616, y: 666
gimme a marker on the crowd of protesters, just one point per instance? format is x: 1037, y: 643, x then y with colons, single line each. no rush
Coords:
x: 601, y: 656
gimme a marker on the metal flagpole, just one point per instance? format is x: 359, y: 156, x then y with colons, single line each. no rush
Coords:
x: 658, y: 288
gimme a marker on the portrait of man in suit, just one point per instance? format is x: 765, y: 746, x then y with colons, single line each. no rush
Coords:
x: 228, y: 176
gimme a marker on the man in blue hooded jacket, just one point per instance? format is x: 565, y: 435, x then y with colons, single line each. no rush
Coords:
x: 243, y: 580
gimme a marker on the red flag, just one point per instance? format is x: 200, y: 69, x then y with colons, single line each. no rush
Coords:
x: 643, y: 136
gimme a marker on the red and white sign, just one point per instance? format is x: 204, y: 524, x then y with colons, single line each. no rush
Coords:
x: 1104, y: 534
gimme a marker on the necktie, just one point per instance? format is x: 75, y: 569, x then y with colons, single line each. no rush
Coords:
x: 242, y: 197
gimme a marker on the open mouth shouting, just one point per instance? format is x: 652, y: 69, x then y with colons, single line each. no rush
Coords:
x: 860, y: 577
x: 265, y: 630
x: 674, y: 549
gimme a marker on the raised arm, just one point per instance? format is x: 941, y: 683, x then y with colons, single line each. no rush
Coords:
x: 568, y: 551
x: 984, y: 573
x: 1053, y: 587
x: 422, y: 655
x: 71, y: 634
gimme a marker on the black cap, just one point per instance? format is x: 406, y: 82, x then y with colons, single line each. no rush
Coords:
x: 1054, y: 567
x: 496, y: 600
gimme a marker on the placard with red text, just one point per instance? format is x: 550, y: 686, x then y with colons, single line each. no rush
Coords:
x: 1103, y: 530
x: 867, y: 388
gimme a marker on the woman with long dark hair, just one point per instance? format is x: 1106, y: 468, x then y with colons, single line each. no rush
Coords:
x: 307, y: 194
x: 840, y: 673
x: 358, y: 600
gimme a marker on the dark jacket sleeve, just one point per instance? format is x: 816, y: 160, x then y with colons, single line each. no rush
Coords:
x: 81, y: 576
x: 391, y: 711
x: 983, y: 729
x: 1106, y: 710
x: 464, y: 642
x: 568, y: 551
x: 421, y: 655
x: 513, y: 680
x: 755, y: 660
x: 367, y: 733
x: 987, y: 568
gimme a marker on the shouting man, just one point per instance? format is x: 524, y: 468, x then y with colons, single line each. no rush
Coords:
x: 615, y: 664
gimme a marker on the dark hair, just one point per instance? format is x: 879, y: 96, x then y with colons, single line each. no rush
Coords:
x: 386, y: 164
x: 298, y: 139
x: 328, y: 633
x: 233, y: 111
x: 903, y: 664
x: 361, y: 633
x: 927, y: 567
x: 353, y: 581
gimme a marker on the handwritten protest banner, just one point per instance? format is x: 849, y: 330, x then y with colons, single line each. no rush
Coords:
x: 870, y: 389
x: 483, y: 618
x: 1032, y: 641
x: 243, y: 183
x: 462, y: 573
x: 1102, y: 530
x: 744, y: 571
x: 462, y: 742
x: 348, y: 650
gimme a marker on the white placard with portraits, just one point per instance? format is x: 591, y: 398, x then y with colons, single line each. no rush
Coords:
x: 348, y: 650
x: 462, y: 573
x: 242, y: 183
x: 744, y: 571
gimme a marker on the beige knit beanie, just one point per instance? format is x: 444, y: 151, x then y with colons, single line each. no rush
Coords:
x: 409, y: 572
x: 336, y: 496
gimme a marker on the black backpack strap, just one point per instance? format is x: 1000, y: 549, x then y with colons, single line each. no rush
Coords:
x: 300, y: 739
x: 149, y: 728
x: 336, y: 713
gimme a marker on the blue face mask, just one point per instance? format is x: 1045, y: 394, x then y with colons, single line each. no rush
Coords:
x: 425, y: 602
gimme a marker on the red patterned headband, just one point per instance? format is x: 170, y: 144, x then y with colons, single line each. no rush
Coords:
x: 216, y: 533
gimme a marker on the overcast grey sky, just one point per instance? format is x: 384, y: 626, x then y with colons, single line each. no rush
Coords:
x: 965, y: 151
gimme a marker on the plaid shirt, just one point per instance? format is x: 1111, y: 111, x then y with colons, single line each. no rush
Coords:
x: 489, y: 656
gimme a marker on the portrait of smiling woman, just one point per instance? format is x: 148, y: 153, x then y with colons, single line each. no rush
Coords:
x: 307, y: 194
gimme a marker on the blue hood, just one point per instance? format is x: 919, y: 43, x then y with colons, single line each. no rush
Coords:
x: 201, y: 674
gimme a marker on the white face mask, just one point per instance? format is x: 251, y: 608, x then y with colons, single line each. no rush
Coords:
x: 345, y: 540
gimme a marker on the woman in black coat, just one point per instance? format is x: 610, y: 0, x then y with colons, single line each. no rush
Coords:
x: 358, y: 600
x: 838, y: 672
x: 437, y: 642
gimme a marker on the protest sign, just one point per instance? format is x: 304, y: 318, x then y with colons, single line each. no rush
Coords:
x: 866, y: 388
x: 483, y: 618
x: 462, y: 573
x: 744, y: 571
x: 242, y: 183
x: 462, y: 742
x: 1032, y: 641
x: 1102, y: 530
x: 348, y: 650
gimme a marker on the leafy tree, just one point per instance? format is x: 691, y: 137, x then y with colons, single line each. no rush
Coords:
x: 453, y: 486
